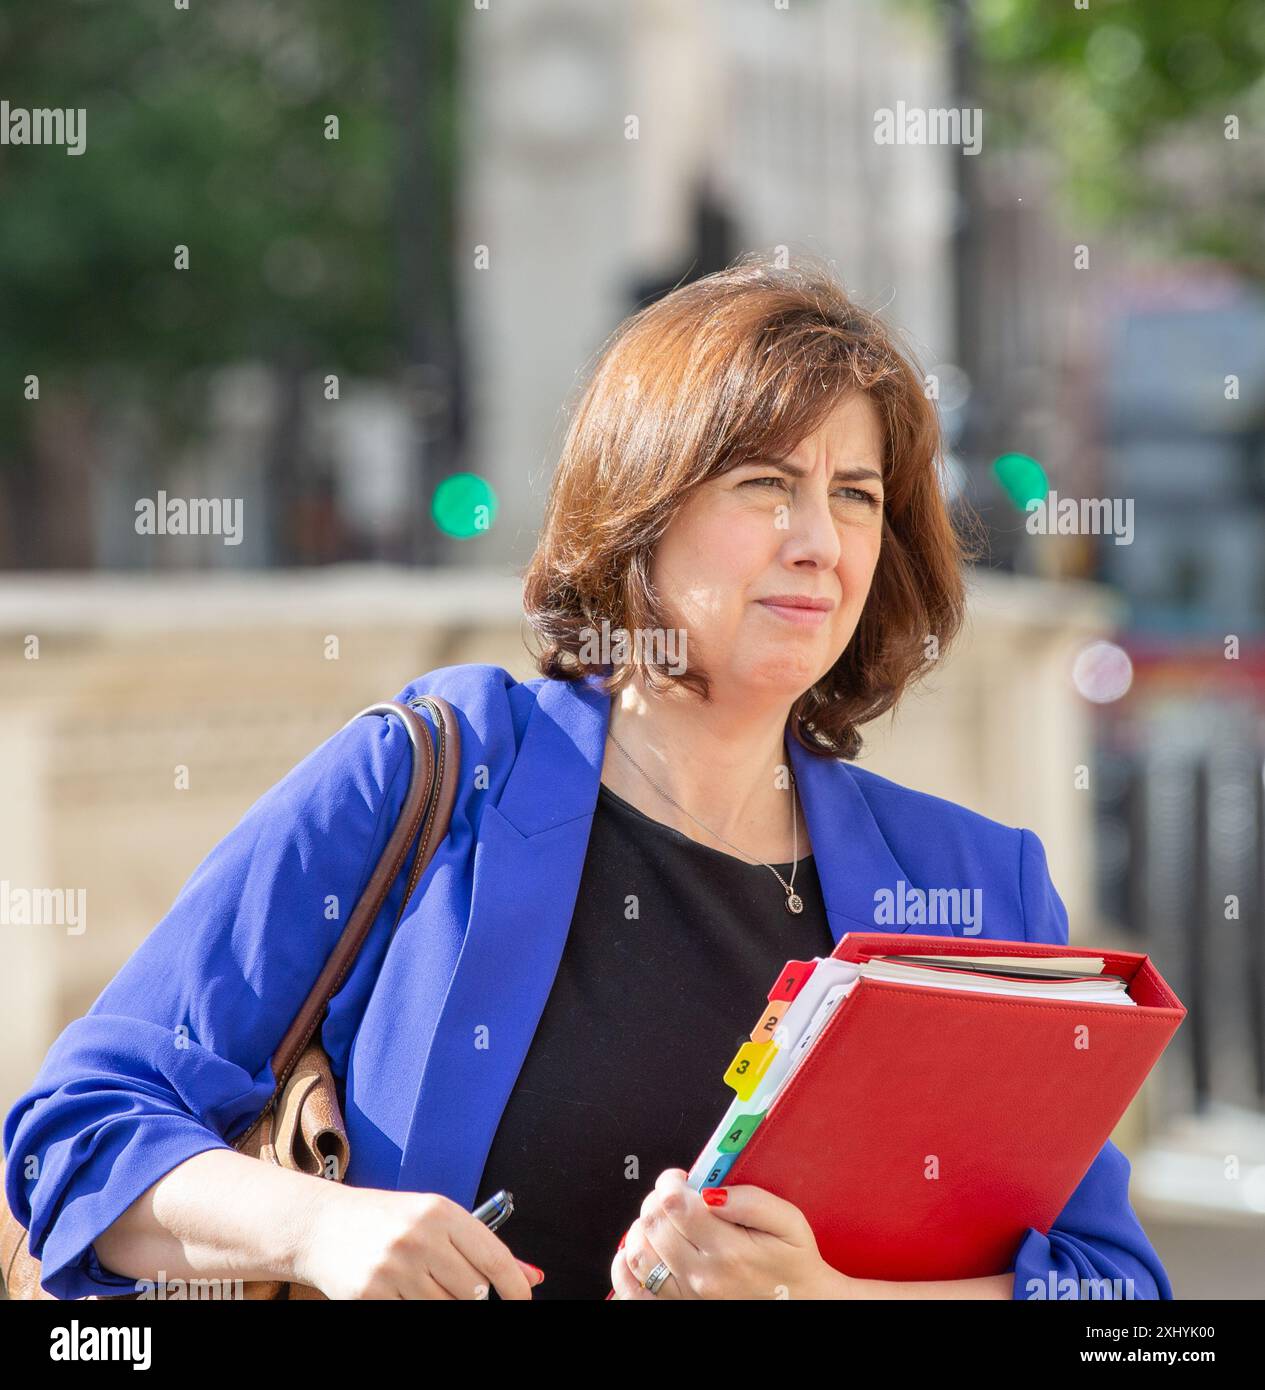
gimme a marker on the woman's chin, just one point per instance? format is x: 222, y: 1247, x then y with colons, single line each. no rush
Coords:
x: 786, y: 671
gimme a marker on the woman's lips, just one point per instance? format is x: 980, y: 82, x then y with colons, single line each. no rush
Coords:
x: 803, y: 617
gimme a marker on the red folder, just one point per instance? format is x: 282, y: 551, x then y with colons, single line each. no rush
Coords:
x: 1007, y: 1100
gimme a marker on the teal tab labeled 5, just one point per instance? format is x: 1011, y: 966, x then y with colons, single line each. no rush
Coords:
x: 719, y: 1170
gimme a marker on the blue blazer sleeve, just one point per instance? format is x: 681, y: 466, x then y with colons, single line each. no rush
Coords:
x: 1097, y: 1236
x: 174, y: 1057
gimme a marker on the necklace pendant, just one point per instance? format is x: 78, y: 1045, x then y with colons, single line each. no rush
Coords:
x: 794, y: 903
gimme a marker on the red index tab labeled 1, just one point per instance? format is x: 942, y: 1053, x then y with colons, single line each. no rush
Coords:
x: 791, y: 980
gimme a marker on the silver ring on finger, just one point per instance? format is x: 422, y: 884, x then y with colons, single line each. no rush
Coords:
x: 657, y: 1277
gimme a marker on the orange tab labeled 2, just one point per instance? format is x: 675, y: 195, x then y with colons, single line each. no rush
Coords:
x: 769, y: 1020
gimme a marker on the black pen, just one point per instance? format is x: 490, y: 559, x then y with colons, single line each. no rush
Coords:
x: 496, y: 1210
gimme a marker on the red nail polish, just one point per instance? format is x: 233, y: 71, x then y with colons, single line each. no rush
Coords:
x: 715, y: 1196
x: 541, y: 1272
x: 622, y: 1239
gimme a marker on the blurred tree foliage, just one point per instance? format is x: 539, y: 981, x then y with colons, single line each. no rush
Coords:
x: 206, y: 127
x: 1131, y: 97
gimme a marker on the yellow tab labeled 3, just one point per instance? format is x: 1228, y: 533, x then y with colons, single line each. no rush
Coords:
x: 750, y: 1063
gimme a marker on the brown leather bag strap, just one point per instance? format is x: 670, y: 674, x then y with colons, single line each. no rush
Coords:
x: 12, y: 1245
x: 445, y: 795
x: 428, y: 804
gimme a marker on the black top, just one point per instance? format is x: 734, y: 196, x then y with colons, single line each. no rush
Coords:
x: 672, y: 949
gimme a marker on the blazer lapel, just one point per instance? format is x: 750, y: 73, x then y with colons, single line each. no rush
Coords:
x: 854, y: 861
x: 527, y: 867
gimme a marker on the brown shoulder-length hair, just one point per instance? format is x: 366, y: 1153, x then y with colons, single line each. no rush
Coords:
x: 738, y: 365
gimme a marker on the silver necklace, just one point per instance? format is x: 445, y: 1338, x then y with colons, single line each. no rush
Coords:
x: 794, y: 903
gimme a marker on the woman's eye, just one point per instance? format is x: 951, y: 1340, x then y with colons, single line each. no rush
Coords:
x: 862, y: 495
x: 857, y: 494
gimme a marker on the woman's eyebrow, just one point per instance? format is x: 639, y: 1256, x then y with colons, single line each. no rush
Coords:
x: 846, y: 475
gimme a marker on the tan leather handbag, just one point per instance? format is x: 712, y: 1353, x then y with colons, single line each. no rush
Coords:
x: 301, y: 1126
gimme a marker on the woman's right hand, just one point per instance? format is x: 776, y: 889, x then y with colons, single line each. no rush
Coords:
x: 366, y: 1242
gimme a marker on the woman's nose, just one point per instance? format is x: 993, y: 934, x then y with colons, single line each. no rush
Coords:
x: 812, y: 533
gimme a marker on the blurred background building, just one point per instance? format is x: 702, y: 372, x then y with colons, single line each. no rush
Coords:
x: 348, y: 267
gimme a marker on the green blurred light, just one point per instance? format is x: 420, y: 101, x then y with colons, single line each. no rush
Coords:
x: 464, y: 506
x: 1022, y: 479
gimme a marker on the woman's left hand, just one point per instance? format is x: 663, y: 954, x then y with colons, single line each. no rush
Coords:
x: 753, y: 1245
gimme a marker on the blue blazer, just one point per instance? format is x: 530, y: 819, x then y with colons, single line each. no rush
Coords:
x: 174, y: 1056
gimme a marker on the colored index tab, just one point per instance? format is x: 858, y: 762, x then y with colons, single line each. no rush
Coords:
x: 750, y: 1063
x: 769, y: 1020
x: 739, y: 1132
x: 791, y: 980
x: 716, y: 1173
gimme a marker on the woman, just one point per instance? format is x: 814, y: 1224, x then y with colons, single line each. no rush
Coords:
x: 746, y: 555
